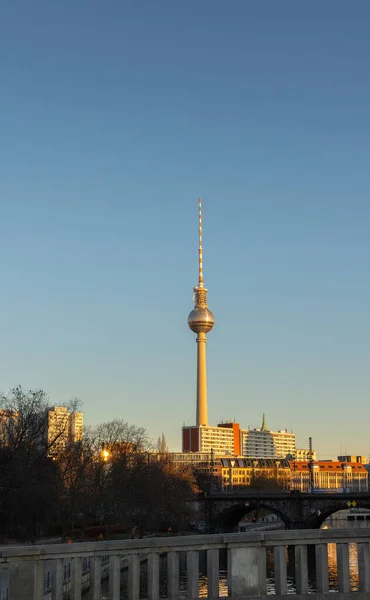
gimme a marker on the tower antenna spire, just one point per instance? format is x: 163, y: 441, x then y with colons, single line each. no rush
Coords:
x: 200, y: 278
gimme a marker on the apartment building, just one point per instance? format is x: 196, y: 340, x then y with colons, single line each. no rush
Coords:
x: 63, y: 427
x: 265, y: 443
x: 221, y: 440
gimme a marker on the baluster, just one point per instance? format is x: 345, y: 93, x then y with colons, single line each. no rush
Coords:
x: 363, y: 566
x: 95, y: 577
x: 153, y: 576
x: 3, y: 579
x: 322, y: 569
x: 57, y: 580
x: 134, y: 577
x: 76, y: 576
x: 114, y: 577
x: 300, y: 569
x: 192, y: 570
x: 39, y: 583
x: 213, y: 573
x: 280, y: 571
x: 173, y: 575
x: 344, y: 581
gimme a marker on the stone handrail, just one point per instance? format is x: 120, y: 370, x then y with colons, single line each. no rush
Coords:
x: 23, y: 568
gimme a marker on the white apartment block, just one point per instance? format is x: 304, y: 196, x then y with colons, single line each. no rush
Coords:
x: 264, y: 443
x: 218, y: 439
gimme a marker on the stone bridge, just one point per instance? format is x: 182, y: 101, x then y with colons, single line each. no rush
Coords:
x: 223, y: 511
x: 195, y: 567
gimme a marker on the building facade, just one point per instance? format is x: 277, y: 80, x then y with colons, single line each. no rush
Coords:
x: 353, y: 459
x: 221, y: 440
x: 329, y: 475
x: 267, y: 473
x: 265, y: 443
x: 230, y: 472
x: 63, y: 427
x: 304, y: 454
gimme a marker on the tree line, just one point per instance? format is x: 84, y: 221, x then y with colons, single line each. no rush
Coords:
x: 109, y: 477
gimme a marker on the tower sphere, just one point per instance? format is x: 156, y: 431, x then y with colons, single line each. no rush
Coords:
x: 201, y: 320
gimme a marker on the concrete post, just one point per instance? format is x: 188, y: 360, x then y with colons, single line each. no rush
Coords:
x: 76, y: 577
x: 153, y: 576
x: 192, y: 570
x: 4, y: 580
x: 344, y: 582
x: 57, y: 582
x: 322, y: 570
x: 247, y: 571
x: 133, y: 577
x: 26, y: 580
x: 363, y: 566
x: 95, y: 577
x: 213, y: 573
x: 300, y: 569
x: 173, y: 575
x: 114, y: 577
x: 280, y: 570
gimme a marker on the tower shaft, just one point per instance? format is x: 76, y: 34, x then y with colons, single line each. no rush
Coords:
x: 202, y: 410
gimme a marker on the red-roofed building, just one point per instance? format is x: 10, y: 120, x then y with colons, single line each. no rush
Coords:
x: 329, y: 475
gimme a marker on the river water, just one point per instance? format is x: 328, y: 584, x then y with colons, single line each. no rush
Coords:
x: 223, y: 589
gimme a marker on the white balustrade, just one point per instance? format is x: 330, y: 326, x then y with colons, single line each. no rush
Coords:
x: 58, y: 571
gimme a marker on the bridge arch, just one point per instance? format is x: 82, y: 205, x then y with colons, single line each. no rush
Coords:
x: 316, y: 520
x: 227, y: 520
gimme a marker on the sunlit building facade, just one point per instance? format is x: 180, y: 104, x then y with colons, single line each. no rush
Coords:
x: 329, y: 475
x: 265, y: 443
x: 243, y: 472
x: 63, y: 427
x: 221, y: 439
x: 304, y: 454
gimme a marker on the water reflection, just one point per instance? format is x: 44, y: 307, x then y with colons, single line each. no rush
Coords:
x: 342, y: 523
x: 223, y: 587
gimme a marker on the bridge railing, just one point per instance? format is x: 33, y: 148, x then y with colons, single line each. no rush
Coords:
x: 23, y: 568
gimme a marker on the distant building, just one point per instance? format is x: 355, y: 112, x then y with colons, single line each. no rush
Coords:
x: 304, y: 454
x: 63, y: 427
x: 329, y: 475
x: 233, y: 471
x: 228, y: 438
x: 242, y: 472
x: 203, y: 462
x: 193, y: 459
x: 353, y: 459
x: 222, y: 439
x: 8, y: 422
x: 265, y: 443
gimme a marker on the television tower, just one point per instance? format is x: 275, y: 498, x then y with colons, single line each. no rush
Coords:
x: 201, y: 321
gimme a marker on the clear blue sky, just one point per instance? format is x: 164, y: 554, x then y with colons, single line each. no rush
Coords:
x: 114, y: 117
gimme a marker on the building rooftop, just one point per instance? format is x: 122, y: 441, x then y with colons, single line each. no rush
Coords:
x: 323, y: 465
